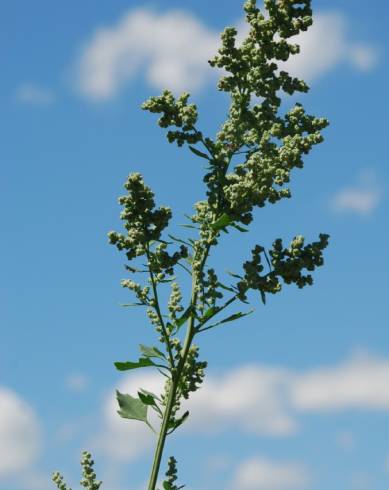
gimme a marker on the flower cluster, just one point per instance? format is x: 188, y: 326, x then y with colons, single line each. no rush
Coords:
x: 171, y: 474
x: 59, y: 481
x: 287, y: 264
x: 259, y: 179
x: 89, y: 480
x: 252, y: 66
x: 193, y: 373
x: 210, y: 292
x: 161, y: 261
x: 275, y: 144
x: 191, y: 378
x: 175, y: 113
x: 142, y: 222
x: 174, y: 304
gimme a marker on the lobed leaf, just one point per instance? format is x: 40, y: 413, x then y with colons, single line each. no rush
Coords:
x: 151, y: 351
x: 127, y: 366
x: 131, y: 408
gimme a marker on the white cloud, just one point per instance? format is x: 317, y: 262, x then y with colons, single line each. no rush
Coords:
x: 125, y: 440
x: 28, y: 93
x: 357, y: 200
x: 361, y: 198
x: 172, y: 50
x: 325, y: 45
x: 262, y: 474
x: 32, y: 480
x: 359, y: 383
x: 253, y: 399
x: 250, y: 398
x: 20, y: 434
x: 76, y: 382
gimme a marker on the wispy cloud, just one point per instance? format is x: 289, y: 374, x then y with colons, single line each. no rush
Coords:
x: 262, y: 474
x: 29, y: 93
x: 361, y: 198
x: 20, y: 434
x: 171, y: 49
x: 76, y: 382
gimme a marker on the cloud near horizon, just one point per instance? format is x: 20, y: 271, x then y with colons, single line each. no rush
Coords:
x: 171, y: 50
x: 258, y: 473
x: 20, y: 434
x: 274, y: 408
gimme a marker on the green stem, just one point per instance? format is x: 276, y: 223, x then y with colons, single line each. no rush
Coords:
x: 190, y: 333
x: 158, y: 310
x: 162, y: 436
x: 170, y: 404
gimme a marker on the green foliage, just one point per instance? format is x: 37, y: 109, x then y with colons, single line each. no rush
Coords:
x: 249, y: 163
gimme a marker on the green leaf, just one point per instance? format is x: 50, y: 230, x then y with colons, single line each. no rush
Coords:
x: 190, y: 226
x: 227, y: 288
x: 147, y: 398
x: 210, y: 312
x: 142, y: 390
x: 134, y: 269
x: 180, y: 241
x: 189, y: 218
x: 236, y: 316
x: 199, y: 153
x: 263, y: 297
x: 131, y: 408
x: 174, y: 425
x: 132, y: 304
x: 222, y: 222
x: 127, y: 366
x: 184, y: 317
x: 234, y: 275
x: 189, y: 259
x: 240, y: 228
x: 151, y: 351
x: 230, y: 318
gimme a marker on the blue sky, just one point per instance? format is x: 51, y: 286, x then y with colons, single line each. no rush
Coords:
x: 298, y: 393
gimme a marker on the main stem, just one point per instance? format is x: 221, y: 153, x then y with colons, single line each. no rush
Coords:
x: 190, y: 333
